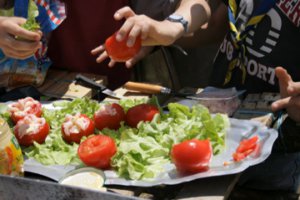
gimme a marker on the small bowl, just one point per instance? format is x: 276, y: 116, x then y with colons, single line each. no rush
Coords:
x: 85, y: 177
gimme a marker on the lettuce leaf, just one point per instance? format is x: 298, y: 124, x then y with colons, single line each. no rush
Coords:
x: 143, y: 152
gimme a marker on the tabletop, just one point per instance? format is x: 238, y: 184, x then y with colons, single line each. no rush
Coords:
x: 218, y: 187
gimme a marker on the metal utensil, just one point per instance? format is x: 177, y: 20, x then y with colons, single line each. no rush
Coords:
x: 148, y: 88
x: 85, y: 81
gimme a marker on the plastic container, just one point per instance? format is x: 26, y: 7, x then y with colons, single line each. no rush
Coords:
x: 86, y: 177
x: 219, y: 100
x: 11, y: 158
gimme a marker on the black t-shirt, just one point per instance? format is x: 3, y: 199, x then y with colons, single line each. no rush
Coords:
x: 275, y: 41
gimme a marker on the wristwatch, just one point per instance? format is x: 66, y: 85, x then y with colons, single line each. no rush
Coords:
x: 179, y: 19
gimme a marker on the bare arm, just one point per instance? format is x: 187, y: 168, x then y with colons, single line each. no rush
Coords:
x: 213, y: 31
x: 153, y: 32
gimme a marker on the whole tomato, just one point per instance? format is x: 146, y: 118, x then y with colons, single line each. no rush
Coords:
x: 97, y: 151
x: 109, y: 116
x: 76, y: 126
x: 31, y: 129
x: 192, y: 156
x: 142, y: 112
x: 119, y: 51
x: 18, y: 110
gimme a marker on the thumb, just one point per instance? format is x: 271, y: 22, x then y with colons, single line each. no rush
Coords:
x: 280, y: 104
x: 284, y: 80
x: 18, y: 20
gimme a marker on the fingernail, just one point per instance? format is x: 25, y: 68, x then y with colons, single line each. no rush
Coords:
x: 128, y: 64
x: 130, y: 43
x: 119, y: 37
x: 117, y: 15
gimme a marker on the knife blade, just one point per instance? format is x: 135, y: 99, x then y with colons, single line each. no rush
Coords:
x: 87, y: 82
x: 149, y: 88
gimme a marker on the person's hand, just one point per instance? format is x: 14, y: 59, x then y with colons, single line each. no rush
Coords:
x: 17, y: 48
x: 290, y: 95
x: 129, y: 63
x: 152, y: 32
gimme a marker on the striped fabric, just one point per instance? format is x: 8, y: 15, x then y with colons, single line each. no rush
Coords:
x: 51, y: 12
x: 54, y: 18
x: 240, y: 22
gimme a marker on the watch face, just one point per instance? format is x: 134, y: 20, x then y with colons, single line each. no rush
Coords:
x: 176, y: 17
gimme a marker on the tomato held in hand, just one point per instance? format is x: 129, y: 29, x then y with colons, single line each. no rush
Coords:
x: 192, y: 156
x: 109, y: 116
x: 245, y: 148
x: 23, y: 107
x: 97, y: 151
x: 119, y: 51
x: 31, y: 129
x: 141, y: 112
x: 77, y: 126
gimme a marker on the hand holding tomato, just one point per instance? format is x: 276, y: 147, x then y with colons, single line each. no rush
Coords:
x: 97, y: 151
x: 192, y: 156
x: 120, y: 51
x: 142, y: 112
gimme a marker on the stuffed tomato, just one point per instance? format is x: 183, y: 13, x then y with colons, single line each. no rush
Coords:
x: 18, y: 110
x: 76, y: 126
x: 31, y: 129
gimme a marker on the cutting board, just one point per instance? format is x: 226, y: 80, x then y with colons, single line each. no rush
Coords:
x: 61, y: 84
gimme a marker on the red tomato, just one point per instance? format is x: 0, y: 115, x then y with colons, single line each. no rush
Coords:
x: 141, y: 112
x: 23, y: 107
x: 97, y: 151
x: 109, y: 116
x: 119, y: 51
x: 77, y: 126
x: 31, y: 129
x: 192, y: 156
x: 245, y: 148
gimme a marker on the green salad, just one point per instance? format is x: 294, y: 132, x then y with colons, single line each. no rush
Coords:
x: 31, y: 24
x: 142, y: 152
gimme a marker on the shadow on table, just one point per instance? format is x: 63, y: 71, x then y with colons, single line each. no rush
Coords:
x: 240, y: 193
x: 18, y: 93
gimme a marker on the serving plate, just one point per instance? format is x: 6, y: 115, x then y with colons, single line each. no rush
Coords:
x: 239, y: 130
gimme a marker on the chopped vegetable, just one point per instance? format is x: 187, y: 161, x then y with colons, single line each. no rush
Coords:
x: 245, y: 148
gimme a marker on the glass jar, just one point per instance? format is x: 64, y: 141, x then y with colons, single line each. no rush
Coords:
x: 11, y: 158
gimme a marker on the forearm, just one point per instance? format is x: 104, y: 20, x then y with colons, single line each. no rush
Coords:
x: 212, y: 32
x: 196, y: 12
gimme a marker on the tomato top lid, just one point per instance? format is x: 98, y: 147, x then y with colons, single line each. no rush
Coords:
x: 85, y: 177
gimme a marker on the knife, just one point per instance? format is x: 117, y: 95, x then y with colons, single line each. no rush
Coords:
x: 87, y: 82
x: 148, y: 88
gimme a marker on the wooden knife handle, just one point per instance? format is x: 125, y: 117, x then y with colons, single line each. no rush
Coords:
x: 143, y: 87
